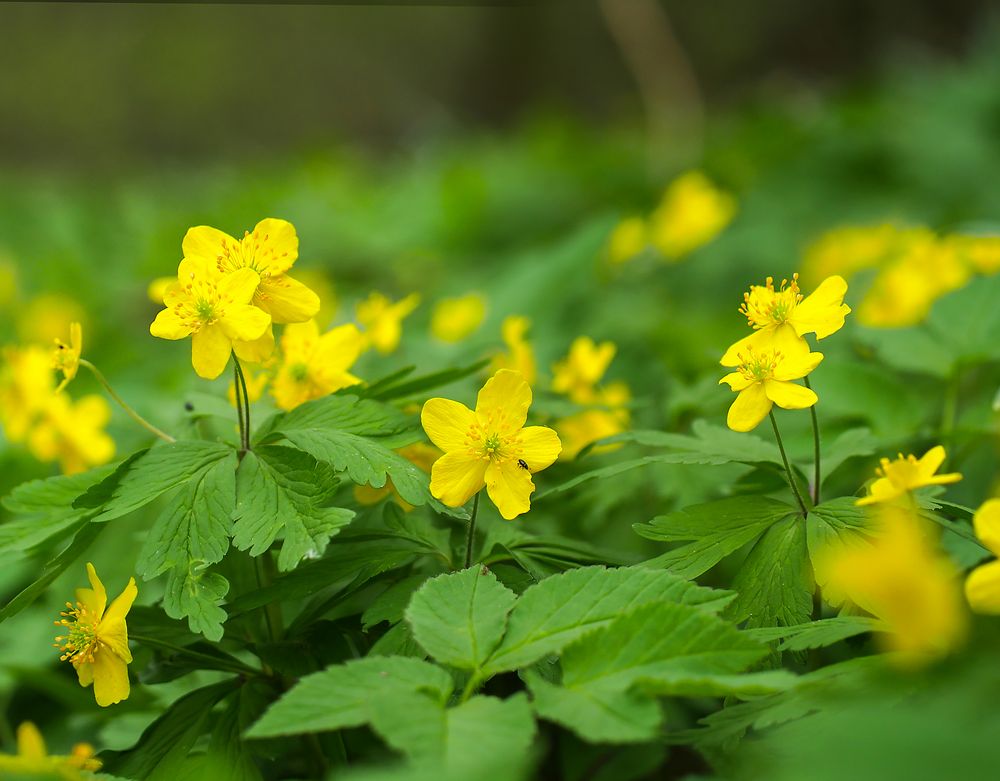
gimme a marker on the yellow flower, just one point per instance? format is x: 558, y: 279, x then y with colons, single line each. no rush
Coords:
x: 905, y: 474
x: 32, y: 758
x: 158, y: 288
x: 382, y: 319
x: 610, y: 418
x: 322, y: 286
x: 520, y: 356
x: 764, y: 378
x: 849, y: 249
x: 692, y: 213
x: 214, y: 310
x: 26, y: 384
x: 420, y: 454
x: 903, y: 580
x: 980, y: 252
x: 584, y: 366
x: 454, y: 319
x: 72, y: 432
x: 97, y: 640
x: 779, y: 315
x: 982, y: 587
x: 629, y: 238
x: 66, y: 357
x: 490, y: 446
x: 314, y: 365
x: 48, y: 317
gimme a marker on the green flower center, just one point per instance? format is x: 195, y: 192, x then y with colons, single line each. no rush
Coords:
x: 299, y: 372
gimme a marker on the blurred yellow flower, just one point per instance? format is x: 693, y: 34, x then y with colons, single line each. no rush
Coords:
x: 982, y: 253
x: 8, y: 282
x: 903, y: 580
x: 320, y: 284
x: 72, y: 433
x: 214, y: 310
x: 629, y: 238
x: 48, y: 317
x: 982, y: 586
x: 453, y: 319
x: 32, y: 758
x: 907, y: 473
x: 66, y: 357
x: 520, y: 356
x: 582, y: 368
x: 382, y: 319
x: 764, y: 378
x: 846, y: 250
x: 26, y: 384
x: 609, y: 417
x: 420, y: 454
x: 158, y: 288
x: 256, y: 384
x: 490, y: 447
x: 314, y: 365
x: 692, y: 213
x: 96, y: 643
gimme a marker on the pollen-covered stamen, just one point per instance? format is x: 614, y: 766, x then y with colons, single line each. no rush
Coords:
x: 764, y: 306
x: 758, y: 366
x: 253, y: 251
x: 200, y: 303
x: 81, y: 642
x: 491, y: 441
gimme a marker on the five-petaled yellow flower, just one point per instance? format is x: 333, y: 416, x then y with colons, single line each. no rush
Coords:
x: 66, y: 357
x: 96, y: 642
x: 32, y: 759
x: 489, y: 447
x: 693, y: 211
x: 584, y: 366
x: 907, y: 473
x: 383, y: 320
x: 314, y: 365
x: 519, y: 356
x: 214, y: 309
x: 764, y: 378
x: 982, y: 587
x: 454, y: 319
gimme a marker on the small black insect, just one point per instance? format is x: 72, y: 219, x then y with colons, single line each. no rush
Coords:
x: 522, y: 463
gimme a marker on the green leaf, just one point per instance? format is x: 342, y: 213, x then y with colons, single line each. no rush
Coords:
x: 817, y: 634
x: 848, y: 444
x: 775, y: 584
x: 918, y: 350
x: 391, y: 604
x: 390, y: 388
x: 707, y: 444
x: 974, y: 307
x: 341, y: 696
x: 836, y: 521
x: 460, y: 618
x: 717, y: 529
x: 552, y: 614
x: 282, y: 490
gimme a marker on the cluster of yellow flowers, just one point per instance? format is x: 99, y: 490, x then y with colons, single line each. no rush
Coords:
x: 692, y: 212
x: 913, y: 267
x: 33, y: 760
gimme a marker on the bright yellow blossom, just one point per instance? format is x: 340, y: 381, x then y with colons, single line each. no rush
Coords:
x: 490, y: 447
x: 26, y: 384
x: 764, y: 378
x: 982, y: 587
x: 32, y: 759
x: 610, y: 416
x: 214, y: 310
x: 420, y: 454
x: 66, y: 357
x: 520, y: 356
x: 96, y: 642
x: 382, y: 319
x: 314, y: 365
x: 582, y: 368
x: 907, y: 473
x: 72, y: 433
x: 629, y: 238
x: 692, y: 212
x: 454, y: 319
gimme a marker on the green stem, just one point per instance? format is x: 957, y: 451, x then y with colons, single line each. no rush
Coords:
x: 950, y: 411
x: 121, y: 402
x: 472, y: 532
x: 471, y: 686
x: 815, y: 422
x: 241, y: 387
x: 239, y: 404
x: 788, y: 469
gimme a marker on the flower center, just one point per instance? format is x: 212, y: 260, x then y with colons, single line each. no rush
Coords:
x: 299, y: 372
x: 903, y: 472
x: 758, y: 366
x: 252, y: 251
x: 764, y: 306
x: 490, y: 442
x: 81, y: 642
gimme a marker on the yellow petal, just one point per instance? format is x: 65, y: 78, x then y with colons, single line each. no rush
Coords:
x: 84, y: 673
x: 338, y: 349
x: 114, y: 635
x: 239, y: 286
x: 788, y: 395
x: 298, y: 341
x: 456, y: 477
x: 94, y: 598
x: 823, y: 311
x: 982, y: 588
x: 447, y: 423
x: 987, y: 524
x: 931, y: 461
x: 287, y: 300
x: 245, y: 323
x: 279, y: 245
x: 506, y: 397
x: 758, y: 340
x: 30, y: 744
x: 111, y: 683
x: 122, y: 604
x: 205, y: 242
x: 168, y: 325
x: 749, y: 408
x: 510, y: 487
x: 76, y: 337
x: 540, y: 446
x: 210, y: 348
x: 736, y: 381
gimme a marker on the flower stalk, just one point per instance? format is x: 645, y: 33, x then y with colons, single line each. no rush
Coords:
x: 788, y: 469
x: 471, y: 539
x: 123, y: 404
x: 816, y: 449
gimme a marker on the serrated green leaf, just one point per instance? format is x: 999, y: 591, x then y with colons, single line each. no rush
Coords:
x: 817, y: 634
x: 391, y: 604
x: 341, y: 696
x: 717, y: 529
x: 280, y: 490
x: 552, y: 614
x: 848, y: 444
x: 460, y: 618
x: 197, y: 594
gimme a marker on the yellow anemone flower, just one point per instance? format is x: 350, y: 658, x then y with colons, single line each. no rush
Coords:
x: 454, y: 319
x: 693, y: 211
x: 764, y: 378
x: 629, y: 238
x: 420, y: 454
x: 382, y: 319
x: 584, y: 366
x: 97, y: 640
x: 26, y: 384
x: 490, y: 446
x: 214, y: 310
x: 903, y: 580
x: 519, y: 356
x: 33, y: 759
x: 906, y: 474
x: 66, y: 357
x: 982, y: 587
x: 610, y: 418
x: 313, y: 365
x: 776, y: 315
x: 72, y: 433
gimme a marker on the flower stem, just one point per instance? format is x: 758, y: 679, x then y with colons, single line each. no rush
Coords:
x: 121, y: 402
x: 239, y: 405
x: 815, y: 422
x: 472, y: 532
x: 788, y: 470
x: 241, y: 388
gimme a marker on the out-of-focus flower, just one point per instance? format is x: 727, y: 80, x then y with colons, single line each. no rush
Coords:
x: 907, y: 473
x: 256, y: 384
x: 96, y: 640
x: 322, y: 286
x: 846, y: 250
x: 982, y: 253
x: 982, y: 586
x: 72, y: 433
x: 48, y: 317
x: 578, y: 373
x: 454, y: 319
x: 32, y: 759
x: 158, y: 288
x: 629, y: 238
x: 692, y: 212
x: 314, y: 365
x: 66, y: 357
x: 490, y: 447
x: 26, y: 385
x: 520, y: 356
x: 382, y: 319
x: 420, y: 454
x: 608, y: 417
x: 8, y: 282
